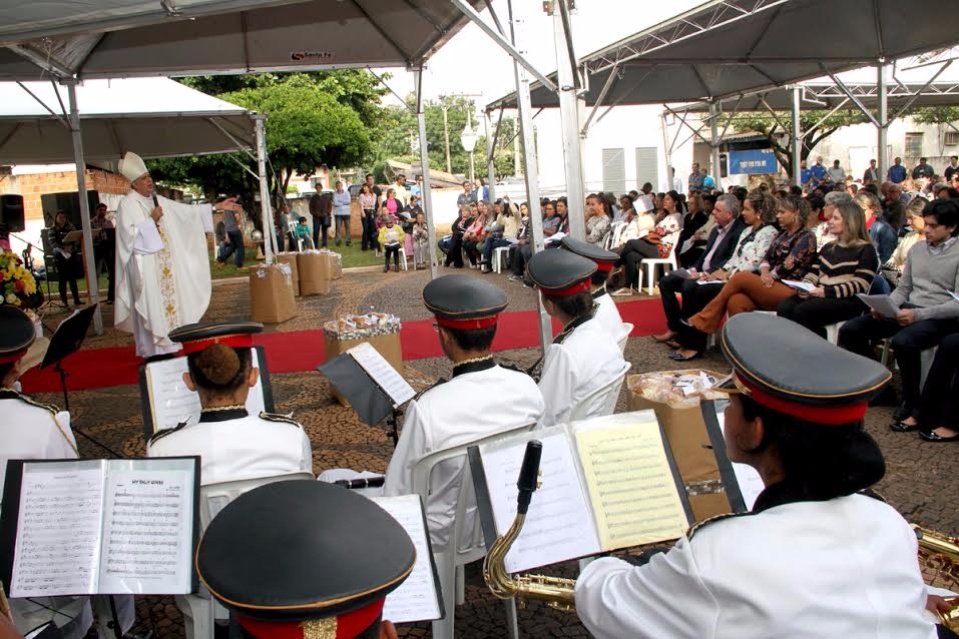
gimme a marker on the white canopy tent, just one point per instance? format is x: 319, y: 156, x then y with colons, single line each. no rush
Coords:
x: 156, y: 117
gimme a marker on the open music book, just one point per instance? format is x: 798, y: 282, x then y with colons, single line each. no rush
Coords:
x: 606, y: 483
x: 418, y: 598
x: 85, y: 527
x: 166, y: 401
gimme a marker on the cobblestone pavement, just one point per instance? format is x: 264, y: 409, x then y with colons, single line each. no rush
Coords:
x: 921, y: 478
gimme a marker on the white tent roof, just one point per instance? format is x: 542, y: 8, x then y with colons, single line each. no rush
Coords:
x: 244, y: 36
x: 727, y: 47
x: 154, y: 117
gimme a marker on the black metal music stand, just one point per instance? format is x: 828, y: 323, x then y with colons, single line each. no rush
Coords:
x: 67, y: 340
x: 370, y: 402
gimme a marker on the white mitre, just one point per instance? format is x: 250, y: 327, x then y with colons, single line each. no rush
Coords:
x: 132, y: 166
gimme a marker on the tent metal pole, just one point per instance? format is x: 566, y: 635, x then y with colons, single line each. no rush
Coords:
x: 530, y: 174
x: 427, y: 191
x: 714, y: 144
x: 882, y: 126
x: 490, y: 160
x: 797, y: 136
x: 269, y: 238
x: 666, y: 150
x: 569, y: 108
x: 89, y: 264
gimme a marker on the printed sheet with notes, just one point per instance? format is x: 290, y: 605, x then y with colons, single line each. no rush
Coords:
x: 99, y: 527
x: 605, y: 484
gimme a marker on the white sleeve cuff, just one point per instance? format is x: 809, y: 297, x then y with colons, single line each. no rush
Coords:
x: 206, y: 215
x: 148, y: 238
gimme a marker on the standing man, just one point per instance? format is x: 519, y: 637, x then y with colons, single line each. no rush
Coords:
x: 818, y: 171
x: 104, y: 247
x: 696, y: 178
x: 417, y: 188
x: 464, y: 198
x: 341, y: 213
x: 923, y: 170
x: 163, y: 271
x: 677, y: 184
x: 952, y: 168
x: 805, y: 175
x: 233, y: 226
x: 836, y: 174
x: 871, y: 176
x: 321, y: 208
x: 402, y: 193
x: 896, y: 172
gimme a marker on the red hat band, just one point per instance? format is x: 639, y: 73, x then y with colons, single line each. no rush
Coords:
x: 604, y: 267
x: 235, y: 341
x: 569, y: 290
x: 346, y: 626
x: 826, y: 415
x: 467, y: 324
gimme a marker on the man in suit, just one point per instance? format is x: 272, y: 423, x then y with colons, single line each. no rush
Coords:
x: 719, y: 248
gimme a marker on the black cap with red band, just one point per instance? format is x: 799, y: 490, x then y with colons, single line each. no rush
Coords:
x: 560, y: 273
x: 16, y: 334
x: 463, y: 302
x: 791, y: 370
x: 604, y: 260
x: 197, y: 337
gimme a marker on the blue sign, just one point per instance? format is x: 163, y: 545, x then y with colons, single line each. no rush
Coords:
x: 755, y: 161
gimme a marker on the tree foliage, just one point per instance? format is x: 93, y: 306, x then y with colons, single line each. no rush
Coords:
x: 815, y: 127
x: 936, y: 115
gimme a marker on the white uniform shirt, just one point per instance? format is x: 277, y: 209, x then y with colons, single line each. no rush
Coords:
x: 586, y: 360
x: 608, y: 315
x: 470, y: 406
x: 31, y: 431
x: 245, y: 447
x: 843, y: 568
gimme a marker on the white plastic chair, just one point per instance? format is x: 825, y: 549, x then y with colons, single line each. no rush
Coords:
x: 832, y: 333
x: 450, y: 560
x: 500, y: 258
x: 198, y: 610
x: 403, y: 258
x: 615, y: 231
x: 926, y: 359
x: 624, y: 336
x: 602, y: 401
x: 668, y: 264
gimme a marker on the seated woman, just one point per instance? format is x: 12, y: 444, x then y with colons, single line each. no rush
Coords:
x: 843, y: 269
x: 916, y: 232
x: 939, y: 402
x: 883, y: 236
x: 474, y: 234
x: 231, y: 443
x: 759, y: 214
x: 692, y: 239
x: 790, y: 257
x: 391, y: 238
x: 597, y: 220
x: 656, y: 244
x: 453, y: 246
x: 812, y: 550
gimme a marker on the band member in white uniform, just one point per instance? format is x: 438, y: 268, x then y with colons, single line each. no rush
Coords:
x: 815, y: 557
x: 606, y: 312
x: 584, y: 356
x: 231, y: 443
x: 481, y: 399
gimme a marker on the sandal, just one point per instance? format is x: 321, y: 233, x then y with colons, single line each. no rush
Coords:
x: 677, y: 357
x: 665, y: 338
x: 933, y: 436
x: 623, y: 292
x: 902, y: 427
x: 674, y: 344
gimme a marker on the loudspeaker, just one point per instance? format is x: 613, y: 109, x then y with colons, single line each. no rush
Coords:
x: 11, y: 213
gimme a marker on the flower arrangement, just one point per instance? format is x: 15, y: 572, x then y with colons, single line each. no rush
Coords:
x: 17, y: 284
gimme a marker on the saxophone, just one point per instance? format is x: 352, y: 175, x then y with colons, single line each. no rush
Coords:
x: 555, y: 591
x: 939, y: 554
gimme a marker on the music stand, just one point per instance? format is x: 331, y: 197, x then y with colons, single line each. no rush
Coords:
x: 67, y: 340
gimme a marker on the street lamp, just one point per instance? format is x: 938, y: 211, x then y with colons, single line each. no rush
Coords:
x: 468, y: 139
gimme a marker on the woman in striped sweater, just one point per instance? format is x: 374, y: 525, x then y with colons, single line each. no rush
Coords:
x: 843, y: 268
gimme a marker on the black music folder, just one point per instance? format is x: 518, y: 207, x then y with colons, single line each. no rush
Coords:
x: 105, y: 526
x: 740, y: 481
x: 368, y: 382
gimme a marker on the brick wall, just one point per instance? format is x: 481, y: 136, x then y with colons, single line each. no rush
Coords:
x: 32, y: 186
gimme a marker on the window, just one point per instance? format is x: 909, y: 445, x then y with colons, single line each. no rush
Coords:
x: 913, y: 145
x: 614, y: 170
x: 647, y: 167
x: 951, y: 138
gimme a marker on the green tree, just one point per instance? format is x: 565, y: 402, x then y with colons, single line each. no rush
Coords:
x: 936, y: 115
x: 815, y: 127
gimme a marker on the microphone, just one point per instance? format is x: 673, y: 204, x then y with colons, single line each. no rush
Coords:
x: 528, y: 475
x: 364, y: 482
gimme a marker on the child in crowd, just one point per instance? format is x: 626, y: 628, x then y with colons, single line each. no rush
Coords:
x: 303, y: 233
x: 391, y: 239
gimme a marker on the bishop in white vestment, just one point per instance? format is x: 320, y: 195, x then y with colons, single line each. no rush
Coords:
x: 163, y: 268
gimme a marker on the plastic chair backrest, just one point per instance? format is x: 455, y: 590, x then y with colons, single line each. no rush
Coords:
x: 624, y: 336
x: 603, y: 397
x: 216, y: 497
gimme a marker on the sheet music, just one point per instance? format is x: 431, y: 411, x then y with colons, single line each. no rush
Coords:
x: 173, y: 402
x: 148, y: 531
x: 416, y: 599
x: 58, y: 529
x: 382, y: 373
x: 558, y: 525
x: 882, y: 304
x: 631, y: 486
x: 750, y: 483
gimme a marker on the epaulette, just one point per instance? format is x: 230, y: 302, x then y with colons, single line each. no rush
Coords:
x: 276, y: 417
x: 441, y: 380
x: 869, y: 492
x: 29, y: 400
x: 695, y: 528
x: 512, y: 367
x: 160, y: 434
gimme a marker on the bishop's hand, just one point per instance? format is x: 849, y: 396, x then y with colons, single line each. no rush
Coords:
x: 156, y: 214
x: 230, y: 204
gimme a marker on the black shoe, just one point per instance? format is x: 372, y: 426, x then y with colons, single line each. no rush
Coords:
x: 386, y: 269
x: 396, y: 268
x: 487, y: 271
x: 900, y: 426
x: 933, y: 436
x: 676, y: 357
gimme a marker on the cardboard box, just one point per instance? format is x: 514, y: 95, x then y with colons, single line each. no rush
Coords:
x: 686, y: 432
x: 271, y: 294
x: 388, y: 345
x: 314, y: 273
x: 290, y: 260
x: 336, y: 265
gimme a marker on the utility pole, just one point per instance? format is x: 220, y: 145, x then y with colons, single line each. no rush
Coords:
x: 446, y: 137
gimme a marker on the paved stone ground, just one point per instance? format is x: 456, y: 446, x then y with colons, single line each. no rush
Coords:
x: 921, y: 480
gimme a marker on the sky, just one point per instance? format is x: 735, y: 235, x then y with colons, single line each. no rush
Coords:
x: 471, y: 64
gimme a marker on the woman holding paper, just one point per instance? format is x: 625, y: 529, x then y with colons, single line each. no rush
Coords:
x: 814, y: 557
x: 66, y: 257
x: 843, y: 269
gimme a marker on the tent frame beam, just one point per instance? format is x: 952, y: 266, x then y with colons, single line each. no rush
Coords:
x: 427, y: 191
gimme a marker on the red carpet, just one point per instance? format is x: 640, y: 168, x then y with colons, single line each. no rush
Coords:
x: 299, y: 351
